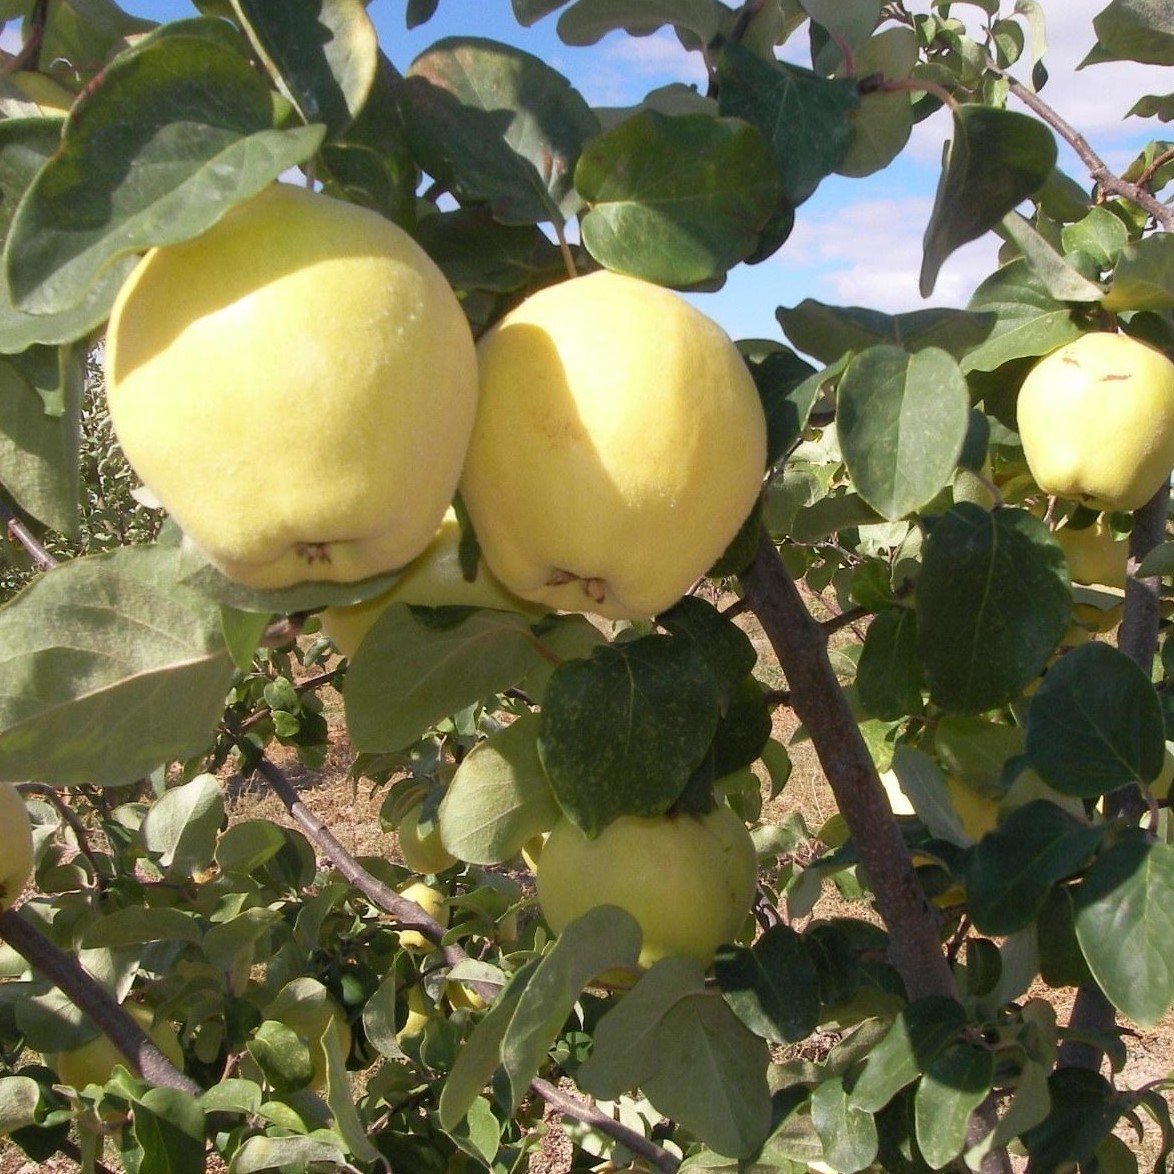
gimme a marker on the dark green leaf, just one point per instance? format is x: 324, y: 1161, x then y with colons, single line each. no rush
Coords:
x: 475, y: 252
x: 1059, y: 278
x: 1143, y: 277
x: 742, y: 731
x: 788, y: 394
x: 496, y: 125
x: 1098, y: 235
x: 827, y: 332
x: 996, y: 160
x: 1028, y: 321
x: 1061, y: 962
x: 882, y: 122
x: 917, y: 1037
x: 773, y: 986
x: 1133, y: 30
x: 1085, y: 1108
x: 888, y: 676
x: 622, y: 732
x: 321, y: 53
x: 805, y: 118
x: 1012, y: 869
x: 408, y: 673
x: 993, y: 600
x: 955, y: 1083
x: 675, y: 200
x: 420, y: 12
x: 179, y: 129
x: 169, y: 1125
x: 587, y: 21
x: 1125, y: 926
x: 499, y: 797
x: 1160, y: 106
x: 726, y: 648
x: 847, y: 1131
x: 111, y: 669
x: 901, y: 420
x: 1095, y: 724
x: 527, y: 12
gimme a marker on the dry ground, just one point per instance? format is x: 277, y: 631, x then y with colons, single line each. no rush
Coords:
x: 352, y: 814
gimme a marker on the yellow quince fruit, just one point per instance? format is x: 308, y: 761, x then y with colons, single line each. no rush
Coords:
x: 619, y: 445
x: 1096, y: 419
x: 16, y: 845
x: 94, y: 1062
x: 433, y: 901
x: 1093, y: 554
x: 304, y: 1005
x: 688, y: 880
x: 434, y: 579
x: 422, y: 851
x: 297, y: 387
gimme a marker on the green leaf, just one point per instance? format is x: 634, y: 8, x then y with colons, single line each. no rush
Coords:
x: 1160, y: 106
x: 1099, y: 235
x: 135, y: 926
x: 689, y: 1054
x: 726, y: 648
x: 178, y: 130
x: 993, y: 600
x: 526, y: 12
x: 955, y: 1083
x: 169, y: 1125
x: 901, y: 420
x: 499, y: 797
x: 19, y: 1098
x: 247, y: 845
x: 111, y: 669
x: 496, y: 125
x: 1125, y: 926
x: 918, y: 1035
x: 1143, y: 277
x: 408, y: 673
x: 888, y: 675
x: 1133, y: 30
x: 475, y: 252
x: 86, y: 33
x: 1095, y: 724
x: 587, y: 21
x: 1061, y: 961
x: 1028, y: 321
x: 479, y: 1133
x: 1061, y: 280
x: 882, y: 123
x: 1013, y: 868
x: 39, y: 450
x: 622, y: 732
x: 603, y: 938
x: 1085, y: 1107
x: 420, y: 12
x: 847, y: 1131
x: 788, y: 394
x: 805, y: 118
x: 997, y: 159
x: 280, y: 1153
x: 976, y: 750
x: 180, y: 829
x: 773, y: 986
x: 828, y: 332
x: 321, y: 53
x: 925, y: 786
x: 675, y: 200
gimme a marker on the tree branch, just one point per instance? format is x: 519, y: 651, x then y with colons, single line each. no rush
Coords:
x: 66, y: 972
x: 1138, y: 638
x: 19, y: 532
x: 588, y: 1114
x: 800, y: 644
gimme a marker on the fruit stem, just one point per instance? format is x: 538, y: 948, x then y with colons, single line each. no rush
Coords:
x: 564, y: 248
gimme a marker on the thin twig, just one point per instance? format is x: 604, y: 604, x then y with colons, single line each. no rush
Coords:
x: 597, y: 1119
x: 307, y: 686
x: 564, y: 248
x: 27, y: 57
x: 844, y: 620
x: 1167, y: 156
x: 85, y: 992
x: 80, y: 831
x: 1105, y: 179
x: 19, y: 532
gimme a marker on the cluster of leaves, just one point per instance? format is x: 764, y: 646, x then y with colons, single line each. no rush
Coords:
x: 896, y: 485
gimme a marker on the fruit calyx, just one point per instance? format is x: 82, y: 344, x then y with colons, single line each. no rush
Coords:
x: 594, y: 587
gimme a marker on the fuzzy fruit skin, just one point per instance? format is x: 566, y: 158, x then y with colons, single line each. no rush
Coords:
x: 1094, y: 555
x: 434, y: 579
x: 1096, y: 418
x: 16, y: 845
x: 422, y: 853
x: 94, y: 1062
x: 305, y: 1006
x: 432, y: 901
x: 297, y: 387
x: 688, y: 880
x: 619, y: 445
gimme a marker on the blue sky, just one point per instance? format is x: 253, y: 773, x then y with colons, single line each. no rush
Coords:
x: 856, y: 242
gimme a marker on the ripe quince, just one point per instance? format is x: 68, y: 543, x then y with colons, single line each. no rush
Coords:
x: 688, y: 880
x: 16, y: 845
x: 423, y: 852
x: 433, y: 579
x: 1096, y: 419
x: 619, y: 445
x: 94, y: 1062
x: 297, y: 387
x: 432, y: 900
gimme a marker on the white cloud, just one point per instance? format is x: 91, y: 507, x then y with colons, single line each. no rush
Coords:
x: 624, y: 68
